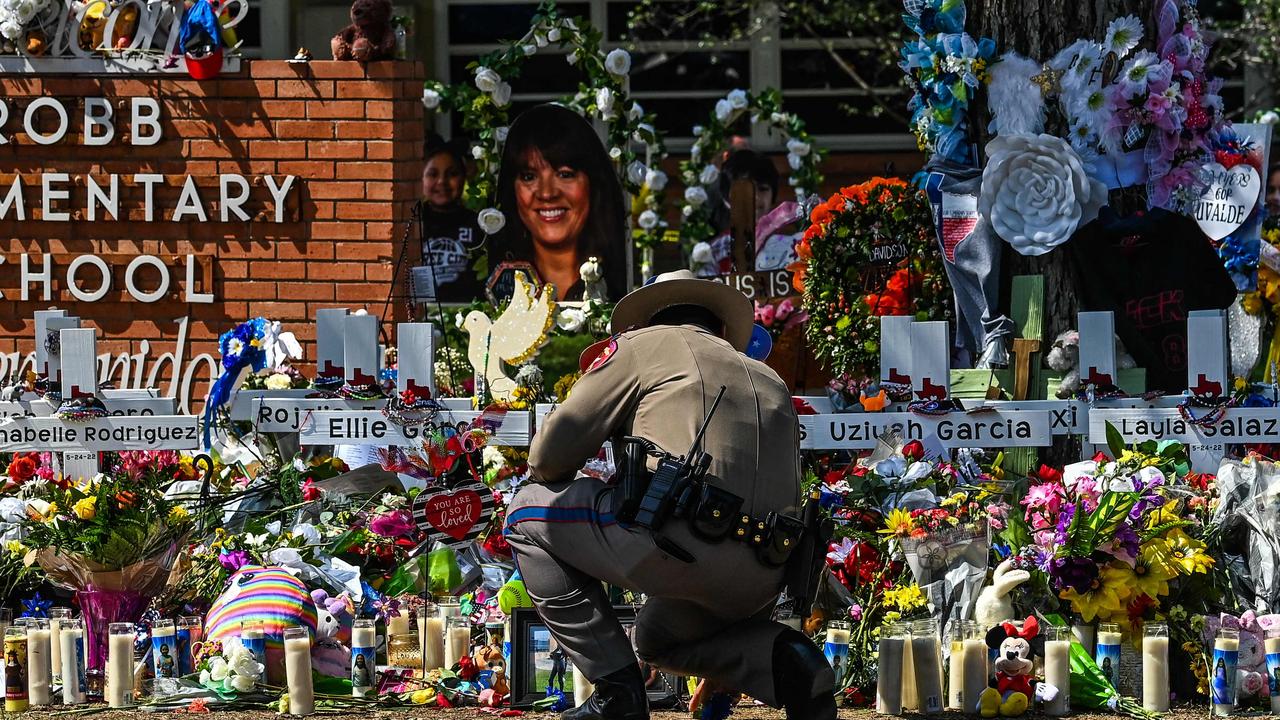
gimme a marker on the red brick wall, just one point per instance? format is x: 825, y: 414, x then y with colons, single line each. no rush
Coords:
x: 352, y: 135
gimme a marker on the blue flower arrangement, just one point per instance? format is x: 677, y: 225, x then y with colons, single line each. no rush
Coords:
x: 241, y: 347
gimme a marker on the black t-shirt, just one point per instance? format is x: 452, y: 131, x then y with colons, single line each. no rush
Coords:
x: 451, y: 244
x: 1151, y: 269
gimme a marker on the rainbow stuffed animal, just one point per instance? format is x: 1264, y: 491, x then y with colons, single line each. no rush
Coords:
x: 265, y: 596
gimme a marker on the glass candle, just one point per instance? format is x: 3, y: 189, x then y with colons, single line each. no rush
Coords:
x: 56, y: 617
x: 297, y: 671
x: 1155, y: 666
x: 836, y: 647
x: 956, y: 630
x: 975, y: 666
x: 892, y: 647
x: 457, y: 640
x: 190, y: 630
x: 431, y: 635
x: 119, y: 691
x: 39, y: 662
x: 403, y: 651
x: 926, y: 660
x: 1107, y: 652
x: 1084, y: 635
x: 164, y: 649
x: 71, y: 637
x: 1057, y: 668
x: 15, y: 674
x: 254, y: 640
x: 398, y: 624
x: 364, y: 645
x: 1271, y: 646
x: 1222, y: 671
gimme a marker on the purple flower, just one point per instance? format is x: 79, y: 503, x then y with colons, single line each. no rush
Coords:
x: 1076, y: 573
x: 234, y: 560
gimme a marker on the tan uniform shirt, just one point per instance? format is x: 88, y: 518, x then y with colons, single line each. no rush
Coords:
x: 658, y: 383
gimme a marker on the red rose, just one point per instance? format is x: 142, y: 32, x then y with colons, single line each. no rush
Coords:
x: 1049, y: 475
x: 23, y: 468
x: 913, y: 450
x: 309, y: 490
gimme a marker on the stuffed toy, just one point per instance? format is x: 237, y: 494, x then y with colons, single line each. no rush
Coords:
x: 1064, y: 357
x: 370, y: 36
x: 1014, y: 687
x: 331, y: 654
x: 268, y: 596
x: 1251, y: 667
x: 994, y: 606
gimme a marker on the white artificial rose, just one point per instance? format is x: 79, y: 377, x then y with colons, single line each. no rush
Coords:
x: 695, y: 195
x: 571, y: 319
x: 636, y: 112
x: 798, y: 147
x: 698, y: 130
x: 737, y: 99
x: 206, y: 678
x: 11, y: 29
x: 487, y: 80
x: 26, y: 11
x: 243, y: 683
x: 553, y: 34
x: 491, y: 220
x: 1270, y: 117
x: 218, y: 669
x: 477, y: 152
x: 701, y: 253
x: 655, y: 179
x: 709, y: 175
x: 572, y: 58
x: 430, y: 99
x: 604, y: 102
x: 307, y: 532
x: 723, y: 110
x: 636, y: 172
x: 778, y: 118
x: 618, y: 62
x: 794, y: 161
x: 648, y: 220
x: 540, y: 40
x: 1035, y: 192
x: 644, y: 132
x: 279, y: 381
x: 500, y: 134
x: 615, y: 153
x: 529, y: 49
x: 502, y: 94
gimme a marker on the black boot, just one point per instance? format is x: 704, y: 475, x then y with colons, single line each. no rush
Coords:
x: 803, y: 679
x: 619, y: 695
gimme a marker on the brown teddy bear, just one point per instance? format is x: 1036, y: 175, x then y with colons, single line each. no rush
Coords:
x: 370, y: 36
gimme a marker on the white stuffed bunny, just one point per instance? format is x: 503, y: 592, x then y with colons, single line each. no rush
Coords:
x: 994, y: 605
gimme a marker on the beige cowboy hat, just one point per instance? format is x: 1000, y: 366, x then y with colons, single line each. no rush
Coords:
x: 682, y: 287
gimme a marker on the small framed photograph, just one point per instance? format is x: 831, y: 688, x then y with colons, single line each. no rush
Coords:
x: 538, y: 663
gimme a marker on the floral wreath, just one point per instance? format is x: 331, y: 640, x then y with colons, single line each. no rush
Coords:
x: 700, y: 173
x: 485, y: 106
x: 870, y: 251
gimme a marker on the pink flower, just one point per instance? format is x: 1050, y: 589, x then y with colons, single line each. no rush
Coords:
x: 784, y: 309
x: 765, y: 314
x: 855, y: 612
x: 396, y: 523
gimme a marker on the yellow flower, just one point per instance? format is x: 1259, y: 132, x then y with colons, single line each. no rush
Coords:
x: 422, y: 697
x: 1182, y: 552
x: 86, y: 508
x: 906, y: 598
x: 16, y: 548
x: 178, y: 514
x: 51, y: 513
x: 897, y: 524
x: 1105, y: 598
x: 1145, y: 577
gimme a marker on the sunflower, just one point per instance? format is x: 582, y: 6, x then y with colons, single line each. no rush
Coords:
x: 1105, y: 597
x: 897, y: 523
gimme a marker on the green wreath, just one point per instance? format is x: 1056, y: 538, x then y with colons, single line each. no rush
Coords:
x: 634, y: 143
x: 869, y: 251
x: 700, y: 173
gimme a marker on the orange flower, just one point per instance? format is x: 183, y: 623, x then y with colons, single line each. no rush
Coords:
x: 124, y: 498
x: 899, y: 281
x: 821, y: 215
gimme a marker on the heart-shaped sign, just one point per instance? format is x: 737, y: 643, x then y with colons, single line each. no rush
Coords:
x: 1229, y: 199
x: 453, y: 516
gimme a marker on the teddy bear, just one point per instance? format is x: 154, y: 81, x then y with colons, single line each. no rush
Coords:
x: 370, y: 36
x: 1014, y: 687
x: 1064, y: 357
x: 1251, y: 665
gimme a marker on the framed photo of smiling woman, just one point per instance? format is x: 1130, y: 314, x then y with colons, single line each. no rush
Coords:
x: 563, y: 204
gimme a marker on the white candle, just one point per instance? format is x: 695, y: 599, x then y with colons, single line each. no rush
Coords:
x: 1271, y: 646
x: 1057, y: 670
x: 364, y: 643
x: 1155, y: 667
x: 1222, y: 673
x: 56, y: 618
x: 39, y: 669
x: 955, y: 676
x: 928, y: 673
x: 457, y: 645
x: 71, y: 638
x: 398, y: 625
x: 431, y: 634
x: 120, y: 665
x: 975, y: 673
x: 297, y: 670
x: 582, y: 687
x: 889, y: 671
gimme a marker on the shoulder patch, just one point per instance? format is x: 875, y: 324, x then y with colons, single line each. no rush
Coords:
x: 598, y: 354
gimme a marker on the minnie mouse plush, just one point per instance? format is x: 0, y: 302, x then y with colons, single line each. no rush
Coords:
x: 1014, y: 687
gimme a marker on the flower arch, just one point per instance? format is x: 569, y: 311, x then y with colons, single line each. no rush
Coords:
x: 700, y: 172
x: 633, y: 141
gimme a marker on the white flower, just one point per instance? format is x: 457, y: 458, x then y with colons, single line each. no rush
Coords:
x: 491, y: 220
x: 698, y: 130
x: 779, y: 118
x: 540, y: 40
x: 571, y: 319
x: 643, y: 133
x: 687, y: 211
x: 477, y: 152
x: 572, y: 58
x: 392, y: 500
x: 235, y: 346
x: 487, y: 80
x: 1123, y: 35
x: 618, y: 62
x: 500, y: 134
x: 604, y: 102
x: 256, y: 540
x: 529, y: 49
x: 709, y: 175
x: 1150, y: 476
x: 1269, y: 117
x: 206, y: 678
x: 458, y: 319
x: 430, y: 99
x: 615, y: 153
x: 307, y: 532
x: 798, y: 147
x: 695, y: 151
x: 635, y: 112
x: 636, y: 172
x: 1143, y: 69
x: 794, y: 161
x: 501, y: 95
x: 279, y: 381
x: 12, y: 510
x: 243, y: 683
x: 1035, y: 192
x: 218, y: 669
x: 695, y: 195
x: 648, y: 220
x: 737, y: 99
x: 655, y: 179
x: 553, y: 34
x: 723, y: 110
x: 701, y: 253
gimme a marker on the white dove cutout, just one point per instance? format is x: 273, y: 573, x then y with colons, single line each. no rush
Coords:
x: 994, y: 605
x: 513, y: 338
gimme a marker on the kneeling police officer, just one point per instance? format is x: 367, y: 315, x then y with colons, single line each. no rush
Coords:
x: 707, y: 536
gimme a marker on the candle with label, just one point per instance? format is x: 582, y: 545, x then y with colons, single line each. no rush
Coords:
x: 254, y: 640
x: 56, y: 617
x: 926, y: 659
x: 119, y: 692
x: 1107, y: 652
x: 1222, y: 671
x: 1155, y: 667
x: 39, y: 658
x: 893, y: 640
x: 956, y: 630
x: 975, y: 667
x: 582, y: 687
x: 190, y: 630
x: 71, y: 638
x: 15, y: 673
x: 364, y: 644
x: 1271, y: 647
x: 836, y: 647
x: 297, y: 671
x: 457, y: 640
x: 164, y: 649
x: 1057, y: 669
